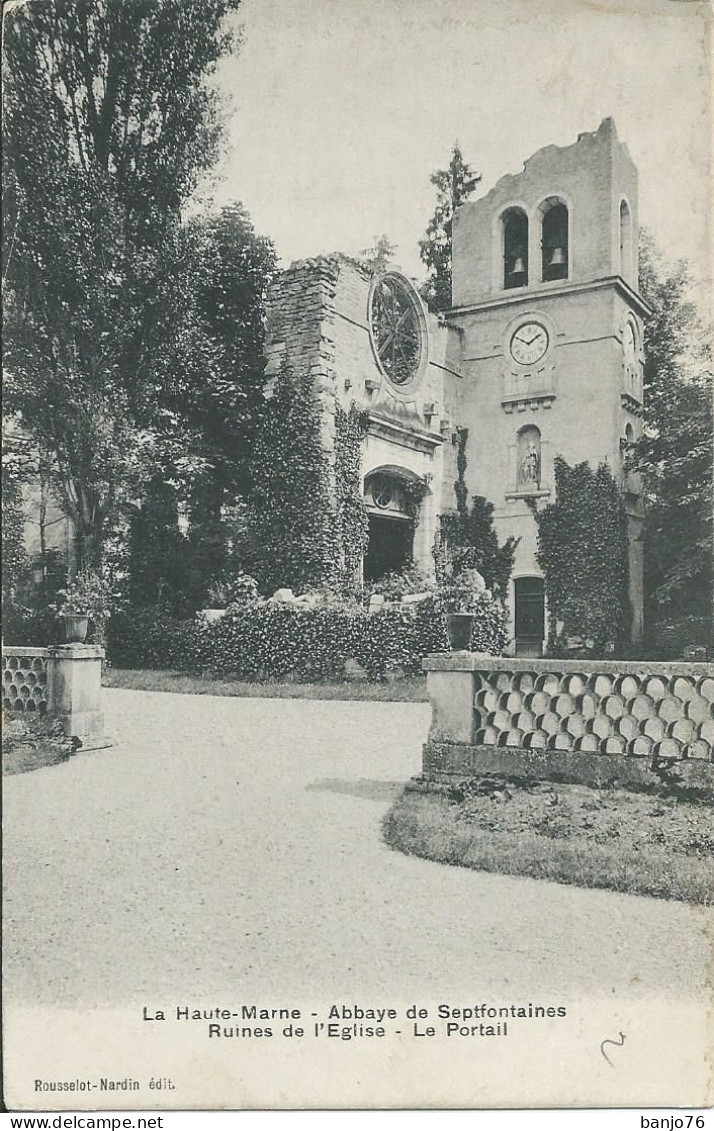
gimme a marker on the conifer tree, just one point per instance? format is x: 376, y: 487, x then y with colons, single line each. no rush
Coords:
x: 454, y: 185
x: 674, y: 455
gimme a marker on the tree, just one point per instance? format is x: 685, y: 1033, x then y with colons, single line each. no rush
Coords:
x: 378, y: 257
x: 110, y: 122
x: 221, y: 393
x: 454, y: 185
x: 675, y: 452
x: 467, y: 538
x: 472, y: 543
x: 582, y: 550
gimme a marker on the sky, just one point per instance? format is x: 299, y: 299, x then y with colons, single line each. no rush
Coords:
x: 338, y: 111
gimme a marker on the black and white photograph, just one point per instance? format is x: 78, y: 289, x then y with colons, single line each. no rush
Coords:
x: 357, y: 656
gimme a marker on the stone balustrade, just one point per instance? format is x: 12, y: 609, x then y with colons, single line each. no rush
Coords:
x: 578, y: 719
x: 62, y: 681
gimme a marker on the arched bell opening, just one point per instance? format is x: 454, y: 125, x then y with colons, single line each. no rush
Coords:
x: 391, y: 511
x: 515, y: 248
x: 554, y: 240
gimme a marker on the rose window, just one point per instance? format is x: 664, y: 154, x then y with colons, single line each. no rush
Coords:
x: 396, y: 328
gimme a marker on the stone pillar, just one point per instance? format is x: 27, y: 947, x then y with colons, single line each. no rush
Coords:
x: 74, y: 690
x: 451, y: 692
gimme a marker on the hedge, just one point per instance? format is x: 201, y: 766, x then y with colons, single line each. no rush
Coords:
x: 265, y: 640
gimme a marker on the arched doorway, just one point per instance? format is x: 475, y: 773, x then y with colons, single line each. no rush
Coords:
x: 530, y: 615
x: 390, y: 548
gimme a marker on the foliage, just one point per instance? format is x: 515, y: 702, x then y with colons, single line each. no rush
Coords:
x: 413, y: 493
x: 394, y: 586
x: 307, y: 524
x: 461, y: 593
x: 110, y: 121
x: 216, y: 400
x: 465, y: 593
x: 292, y: 516
x: 377, y: 258
x: 14, y: 558
x: 460, y: 488
x: 223, y: 372
x: 674, y: 455
x: 258, y: 640
x: 238, y: 589
x: 454, y: 185
x: 158, y: 553
x: 669, y: 637
x: 30, y: 741
x: 583, y: 552
x: 87, y: 595
x: 153, y: 638
x: 352, y: 522
x: 467, y: 540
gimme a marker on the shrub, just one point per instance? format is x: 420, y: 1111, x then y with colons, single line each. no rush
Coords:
x: 152, y: 638
x: 32, y: 628
x: 489, y: 631
x: 394, y: 586
x: 267, y: 640
x: 669, y: 639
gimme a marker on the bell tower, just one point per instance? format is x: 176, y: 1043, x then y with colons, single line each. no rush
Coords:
x: 545, y: 296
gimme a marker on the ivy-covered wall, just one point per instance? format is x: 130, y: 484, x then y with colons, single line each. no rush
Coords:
x: 308, y: 526
x: 352, y: 524
x: 583, y: 552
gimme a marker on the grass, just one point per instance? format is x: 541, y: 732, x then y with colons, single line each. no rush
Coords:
x: 569, y: 834
x: 33, y: 742
x: 407, y: 689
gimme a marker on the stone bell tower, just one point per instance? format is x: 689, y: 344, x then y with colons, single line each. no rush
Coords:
x: 545, y: 296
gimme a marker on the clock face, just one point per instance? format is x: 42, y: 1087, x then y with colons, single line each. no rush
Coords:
x: 529, y: 343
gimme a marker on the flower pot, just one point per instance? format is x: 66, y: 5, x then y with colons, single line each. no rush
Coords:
x: 75, y: 627
x: 458, y: 629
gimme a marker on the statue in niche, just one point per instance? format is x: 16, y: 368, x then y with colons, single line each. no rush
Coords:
x: 530, y: 467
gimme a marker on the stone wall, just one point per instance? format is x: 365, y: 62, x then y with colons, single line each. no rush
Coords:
x: 318, y: 324
x: 63, y: 682
x: 577, y: 720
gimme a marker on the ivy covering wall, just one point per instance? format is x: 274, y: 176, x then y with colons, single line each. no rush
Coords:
x: 583, y: 552
x: 352, y: 522
x: 308, y: 523
x: 467, y: 538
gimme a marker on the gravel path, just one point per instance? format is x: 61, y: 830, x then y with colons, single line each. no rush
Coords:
x: 226, y: 844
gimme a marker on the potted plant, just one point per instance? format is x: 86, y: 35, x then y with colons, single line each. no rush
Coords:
x: 88, y: 597
x: 460, y: 596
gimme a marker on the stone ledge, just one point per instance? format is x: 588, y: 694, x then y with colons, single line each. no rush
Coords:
x: 483, y: 661
x: 447, y: 761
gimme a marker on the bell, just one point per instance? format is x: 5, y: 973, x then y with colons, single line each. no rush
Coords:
x: 557, y: 257
x: 519, y: 266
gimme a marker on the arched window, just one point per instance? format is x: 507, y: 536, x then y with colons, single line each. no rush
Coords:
x: 625, y: 241
x: 529, y: 459
x: 554, y: 241
x: 515, y: 248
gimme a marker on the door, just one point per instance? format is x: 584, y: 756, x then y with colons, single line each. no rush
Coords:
x: 530, y: 616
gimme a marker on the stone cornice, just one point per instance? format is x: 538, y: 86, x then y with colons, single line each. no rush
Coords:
x: 529, y: 297
x: 406, y: 437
